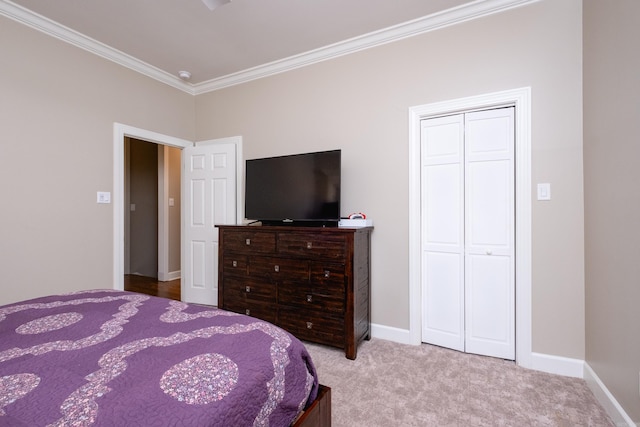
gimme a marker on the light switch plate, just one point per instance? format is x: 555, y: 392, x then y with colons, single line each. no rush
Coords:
x: 104, y: 197
x: 544, y: 191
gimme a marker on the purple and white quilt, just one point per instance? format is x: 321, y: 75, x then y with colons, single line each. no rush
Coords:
x: 111, y: 358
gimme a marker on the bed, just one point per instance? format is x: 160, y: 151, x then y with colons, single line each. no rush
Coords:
x: 112, y: 358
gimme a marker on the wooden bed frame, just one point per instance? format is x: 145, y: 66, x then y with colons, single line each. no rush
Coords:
x: 319, y: 413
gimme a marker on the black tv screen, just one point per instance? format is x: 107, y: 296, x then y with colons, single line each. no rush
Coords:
x: 296, y: 189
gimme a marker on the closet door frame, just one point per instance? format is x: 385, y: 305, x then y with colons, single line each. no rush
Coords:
x: 521, y: 100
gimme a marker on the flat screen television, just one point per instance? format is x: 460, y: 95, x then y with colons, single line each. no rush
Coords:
x: 299, y: 189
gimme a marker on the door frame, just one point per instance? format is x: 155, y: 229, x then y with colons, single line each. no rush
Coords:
x: 120, y: 132
x: 521, y: 99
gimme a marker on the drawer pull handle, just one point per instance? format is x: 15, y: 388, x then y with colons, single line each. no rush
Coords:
x: 247, y: 242
x: 247, y: 312
x: 327, y: 273
x: 276, y: 268
x: 247, y: 289
x: 309, y: 298
x: 234, y: 263
x: 309, y: 245
x: 309, y: 325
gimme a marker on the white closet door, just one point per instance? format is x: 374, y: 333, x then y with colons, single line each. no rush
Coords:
x: 468, y: 211
x: 489, y: 233
x: 442, y: 191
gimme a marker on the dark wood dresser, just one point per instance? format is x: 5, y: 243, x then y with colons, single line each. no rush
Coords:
x: 312, y: 281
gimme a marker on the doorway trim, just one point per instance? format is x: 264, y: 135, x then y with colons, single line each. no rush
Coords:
x: 120, y: 131
x: 163, y: 216
x: 521, y: 99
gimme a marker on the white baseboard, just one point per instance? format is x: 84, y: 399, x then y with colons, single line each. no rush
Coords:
x: 166, y: 277
x: 606, y: 399
x: 401, y: 336
x: 557, y: 365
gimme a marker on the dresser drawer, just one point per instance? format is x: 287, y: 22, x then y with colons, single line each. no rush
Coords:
x: 330, y: 246
x: 235, y: 265
x: 306, y: 299
x: 278, y: 269
x: 261, y: 311
x: 313, y: 326
x: 327, y: 278
x: 248, y: 290
x: 249, y: 242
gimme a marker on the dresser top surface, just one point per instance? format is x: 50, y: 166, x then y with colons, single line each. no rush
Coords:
x: 292, y: 228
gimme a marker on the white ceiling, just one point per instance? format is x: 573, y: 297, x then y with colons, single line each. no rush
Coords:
x: 168, y: 36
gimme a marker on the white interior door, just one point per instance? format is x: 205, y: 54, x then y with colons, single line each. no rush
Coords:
x: 209, y: 192
x: 467, y: 190
x: 489, y: 233
x: 442, y: 203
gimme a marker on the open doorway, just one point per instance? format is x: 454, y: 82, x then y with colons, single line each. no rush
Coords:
x: 152, y: 218
x: 219, y: 201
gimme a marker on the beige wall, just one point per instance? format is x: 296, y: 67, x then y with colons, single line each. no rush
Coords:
x: 59, y: 104
x: 360, y: 103
x: 612, y: 198
x: 57, y: 108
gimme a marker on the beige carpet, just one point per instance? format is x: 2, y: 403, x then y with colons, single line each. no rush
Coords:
x: 392, y: 384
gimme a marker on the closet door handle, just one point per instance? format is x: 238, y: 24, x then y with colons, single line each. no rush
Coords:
x: 489, y: 252
x: 309, y: 325
x: 247, y: 289
x: 309, y: 298
x: 247, y: 242
x: 276, y: 268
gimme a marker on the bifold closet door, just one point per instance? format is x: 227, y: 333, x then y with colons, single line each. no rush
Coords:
x: 489, y: 233
x: 468, y: 232
x: 442, y: 189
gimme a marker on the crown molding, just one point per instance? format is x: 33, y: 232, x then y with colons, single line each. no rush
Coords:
x: 466, y: 12
x: 457, y: 15
x: 61, y: 32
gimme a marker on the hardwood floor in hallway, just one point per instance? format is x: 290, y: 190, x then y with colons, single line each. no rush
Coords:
x: 151, y: 286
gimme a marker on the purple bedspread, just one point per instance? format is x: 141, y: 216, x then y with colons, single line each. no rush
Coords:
x: 110, y: 358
